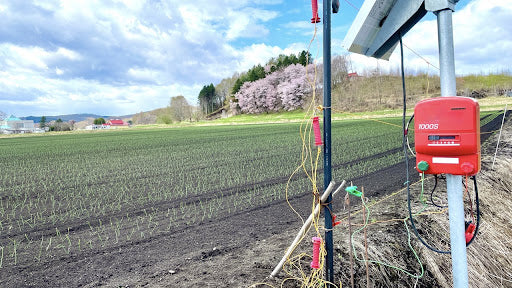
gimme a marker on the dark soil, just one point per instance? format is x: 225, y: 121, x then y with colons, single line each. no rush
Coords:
x: 237, y: 250
x: 187, y: 257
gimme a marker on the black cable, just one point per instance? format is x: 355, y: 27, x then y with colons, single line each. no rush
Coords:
x: 409, y: 122
x: 404, y: 142
x: 432, y: 194
x: 477, y: 202
x: 406, y: 132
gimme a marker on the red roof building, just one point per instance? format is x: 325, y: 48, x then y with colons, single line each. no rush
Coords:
x: 116, y: 122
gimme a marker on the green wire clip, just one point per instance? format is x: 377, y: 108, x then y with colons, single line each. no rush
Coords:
x: 353, y: 191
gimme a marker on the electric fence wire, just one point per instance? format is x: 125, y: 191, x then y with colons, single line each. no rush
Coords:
x: 406, y: 132
x: 315, y: 276
x: 409, y: 244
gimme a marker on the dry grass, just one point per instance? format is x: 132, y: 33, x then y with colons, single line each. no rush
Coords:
x: 489, y: 256
x: 379, y: 92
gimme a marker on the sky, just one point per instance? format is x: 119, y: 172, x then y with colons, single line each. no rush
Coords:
x: 119, y: 57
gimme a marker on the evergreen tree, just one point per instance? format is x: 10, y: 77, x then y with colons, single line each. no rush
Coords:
x: 42, y: 122
x: 207, y: 98
x: 259, y: 72
x: 303, y: 58
x: 238, y: 84
x: 293, y: 59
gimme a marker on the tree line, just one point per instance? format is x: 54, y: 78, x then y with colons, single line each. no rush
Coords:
x: 211, y: 98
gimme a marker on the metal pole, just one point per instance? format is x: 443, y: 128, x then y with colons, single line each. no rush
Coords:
x: 329, y: 258
x: 453, y: 182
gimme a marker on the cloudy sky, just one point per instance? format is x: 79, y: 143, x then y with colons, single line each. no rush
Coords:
x: 117, y: 57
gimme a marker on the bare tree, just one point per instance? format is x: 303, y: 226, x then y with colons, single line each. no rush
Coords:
x: 180, y: 109
x: 339, y: 69
x: 223, y: 90
x: 144, y: 118
x: 3, y: 115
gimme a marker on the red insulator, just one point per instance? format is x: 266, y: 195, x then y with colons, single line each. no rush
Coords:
x: 316, y: 252
x: 314, y: 8
x: 334, y: 222
x: 318, y: 134
x: 469, y: 232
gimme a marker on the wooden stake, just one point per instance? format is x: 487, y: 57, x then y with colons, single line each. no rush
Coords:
x: 306, y: 226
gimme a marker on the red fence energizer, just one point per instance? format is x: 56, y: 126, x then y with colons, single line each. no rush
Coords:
x: 447, y: 136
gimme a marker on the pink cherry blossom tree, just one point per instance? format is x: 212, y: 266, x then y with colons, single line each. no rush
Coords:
x: 286, y: 89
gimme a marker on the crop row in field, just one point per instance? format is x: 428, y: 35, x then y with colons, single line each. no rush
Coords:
x: 69, y: 194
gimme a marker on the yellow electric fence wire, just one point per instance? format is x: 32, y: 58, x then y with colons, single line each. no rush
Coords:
x: 422, y: 58
x: 489, y: 132
x: 383, y: 199
x: 387, y: 123
x: 314, y: 279
x: 371, y: 119
x: 307, y: 154
x: 305, y: 130
x: 402, y: 219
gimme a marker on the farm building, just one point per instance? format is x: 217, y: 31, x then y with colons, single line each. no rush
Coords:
x: 14, y: 125
x: 353, y: 75
x: 116, y: 122
x: 97, y: 127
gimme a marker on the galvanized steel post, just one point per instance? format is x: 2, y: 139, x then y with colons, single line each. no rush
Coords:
x: 453, y: 182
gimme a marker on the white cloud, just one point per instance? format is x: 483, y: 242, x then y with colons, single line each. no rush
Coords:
x: 53, y: 96
x: 110, y: 57
x: 261, y: 53
x: 244, y: 23
x: 64, y: 56
x: 71, y: 55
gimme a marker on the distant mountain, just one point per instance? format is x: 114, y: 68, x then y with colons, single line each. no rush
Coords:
x: 75, y: 117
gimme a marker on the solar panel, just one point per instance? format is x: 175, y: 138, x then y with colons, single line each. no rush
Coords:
x: 377, y: 27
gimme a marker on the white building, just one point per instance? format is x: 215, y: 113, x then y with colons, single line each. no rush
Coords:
x: 97, y: 127
x: 14, y: 125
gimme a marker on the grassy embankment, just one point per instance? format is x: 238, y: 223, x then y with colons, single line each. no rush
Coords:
x: 367, y: 97
x: 381, y: 96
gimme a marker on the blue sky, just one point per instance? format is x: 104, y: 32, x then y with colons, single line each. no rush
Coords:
x: 121, y: 57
